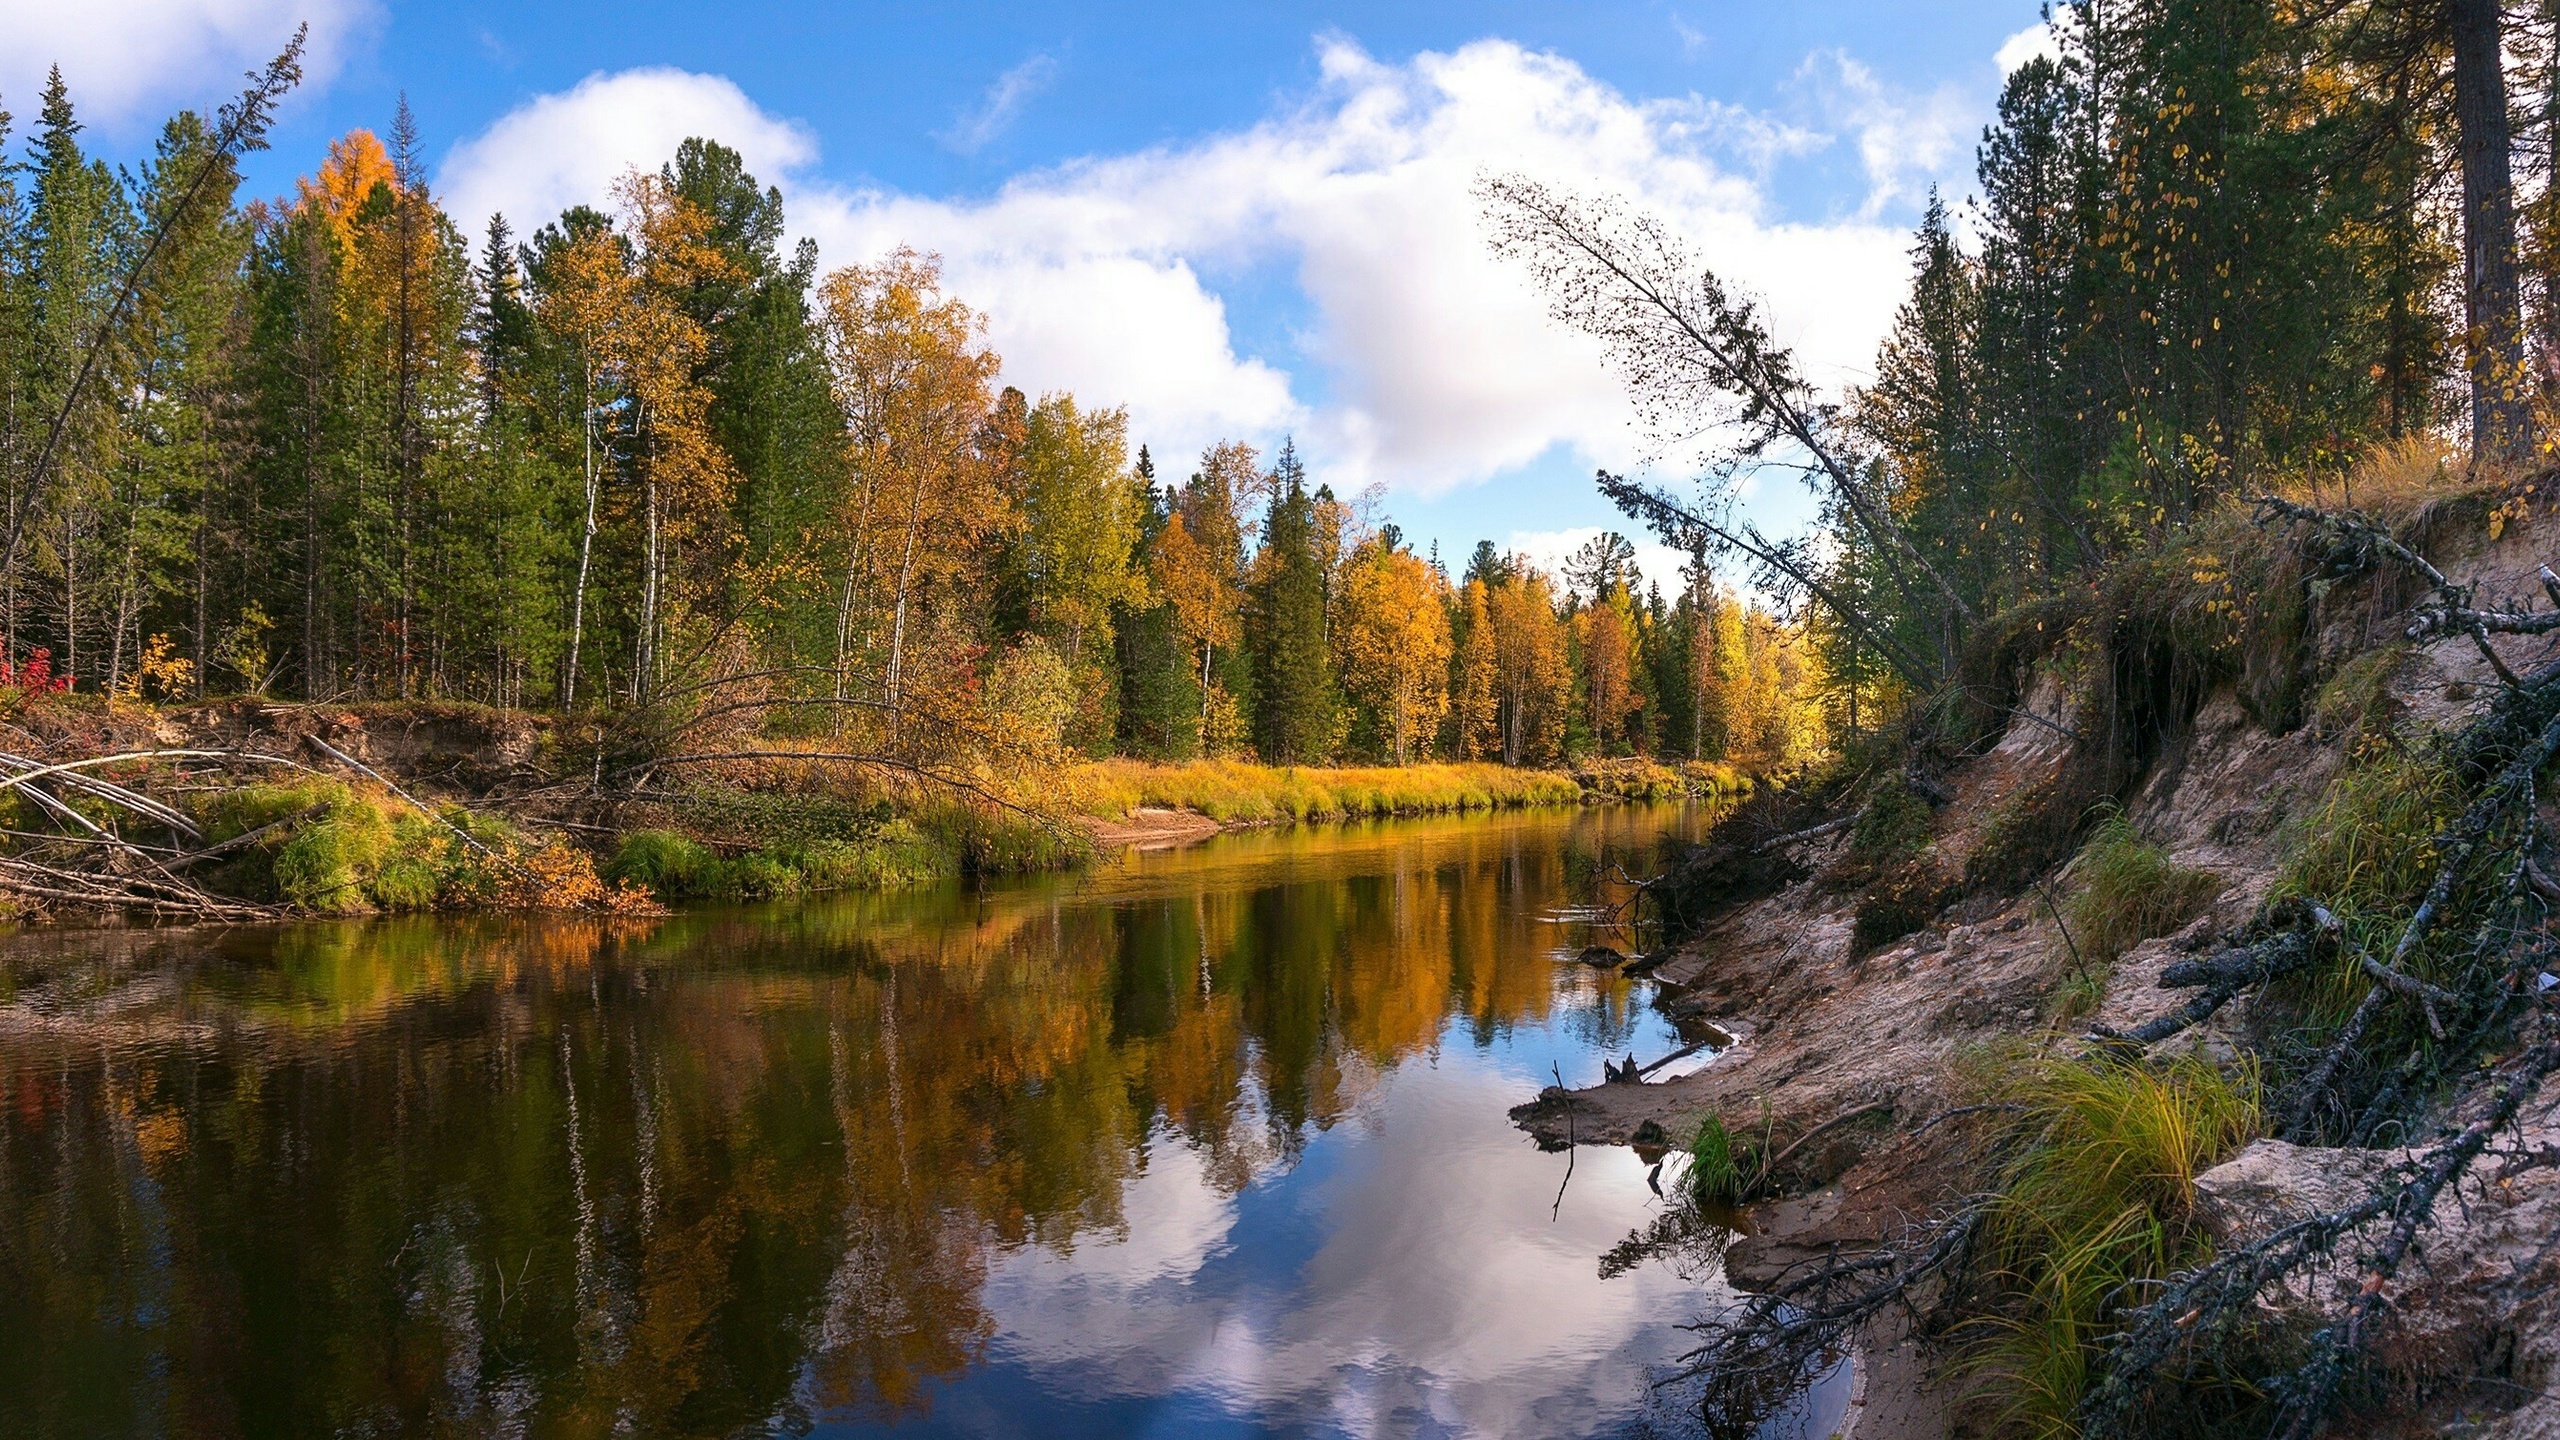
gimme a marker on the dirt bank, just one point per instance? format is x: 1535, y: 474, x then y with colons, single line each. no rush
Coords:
x: 1873, y: 1044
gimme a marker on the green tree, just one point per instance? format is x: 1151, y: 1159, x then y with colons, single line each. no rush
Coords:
x: 1295, y: 709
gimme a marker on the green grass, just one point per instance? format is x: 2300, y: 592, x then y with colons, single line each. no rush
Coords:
x: 2367, y: 851
x: 2129, y: 891
x: 2096, y: 1198
x: 1724, y: 1168
x: 672, y: 866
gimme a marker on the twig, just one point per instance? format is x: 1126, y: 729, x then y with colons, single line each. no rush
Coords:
x: 1843, y: 1118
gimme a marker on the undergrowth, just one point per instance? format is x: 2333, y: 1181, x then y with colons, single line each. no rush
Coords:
x: 1232, y: 791
x: 2365, y: 850
x: 333, y: 848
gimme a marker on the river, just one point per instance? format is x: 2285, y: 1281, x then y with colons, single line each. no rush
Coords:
x: 1209, y: 1142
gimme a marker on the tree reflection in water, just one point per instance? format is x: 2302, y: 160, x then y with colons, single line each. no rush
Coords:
x: 767, y: 1169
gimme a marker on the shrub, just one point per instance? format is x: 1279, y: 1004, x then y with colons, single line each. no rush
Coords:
x: 1893, y: 827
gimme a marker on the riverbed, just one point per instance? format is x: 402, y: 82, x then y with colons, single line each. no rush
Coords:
x: 1210, y: 1141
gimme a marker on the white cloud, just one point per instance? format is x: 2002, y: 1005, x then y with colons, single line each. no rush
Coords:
x: 2037, y: 39
x: 127, y: 61
x: 1549, y: 550
x: 1904, y: 141
x: 995, y: 111
x: 567, y: 149
x: 1416, y: 357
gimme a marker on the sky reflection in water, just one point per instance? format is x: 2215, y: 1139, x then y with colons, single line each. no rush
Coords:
x: 1212, y: 1143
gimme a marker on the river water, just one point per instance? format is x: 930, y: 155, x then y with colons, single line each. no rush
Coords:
x: 1211, y: 1142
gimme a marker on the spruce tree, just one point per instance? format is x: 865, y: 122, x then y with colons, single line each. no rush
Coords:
x: 1295, y: 708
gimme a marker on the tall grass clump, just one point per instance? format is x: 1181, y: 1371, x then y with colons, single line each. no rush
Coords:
x: 2131, y: 891
x: 673, y: 866
x: 2366, y: 851
x: 1724, y: 1168
x: 1240, y: 792
x: 2097, y: 1195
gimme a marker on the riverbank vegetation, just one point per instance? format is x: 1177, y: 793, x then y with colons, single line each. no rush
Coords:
x: 2248, y: 336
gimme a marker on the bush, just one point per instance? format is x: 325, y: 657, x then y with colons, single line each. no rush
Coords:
x: 1894, y: 826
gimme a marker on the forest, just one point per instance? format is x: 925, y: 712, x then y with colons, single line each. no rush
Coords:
x: 653, y: 461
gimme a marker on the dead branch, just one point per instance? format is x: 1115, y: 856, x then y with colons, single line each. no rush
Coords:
x: 1774, y: 1341
x: 2364, y: 535
x: 1798, y: 837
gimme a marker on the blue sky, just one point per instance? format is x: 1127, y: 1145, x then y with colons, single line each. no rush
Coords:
x: 1235, y: 220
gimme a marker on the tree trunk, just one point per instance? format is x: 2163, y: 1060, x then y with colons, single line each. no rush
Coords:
x: 898, y: 624
x: 586, y: 540
x: 2501, y: 423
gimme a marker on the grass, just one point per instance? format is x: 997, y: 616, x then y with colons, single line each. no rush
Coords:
x: 2097, y: 1198
x: 2130, y: 891
x: 2370, y: 842
x: 2367, y: 851
x: 356, y: 850
x: 674, y: 866
x: 1724, y: 1168
x: 1236, y: 792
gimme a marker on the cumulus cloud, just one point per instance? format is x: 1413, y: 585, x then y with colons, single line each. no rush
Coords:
x: 1412, y: 356
x: 127, y: 61
x: 1904, y: 141
x: 568, y: 149
x: 995, y: 111
x: 2037, y: 39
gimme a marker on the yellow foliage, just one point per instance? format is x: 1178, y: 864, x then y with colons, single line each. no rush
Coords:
x: 1393, y: 643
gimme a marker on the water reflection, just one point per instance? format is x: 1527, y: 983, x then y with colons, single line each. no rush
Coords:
x: 1210, y: 1143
